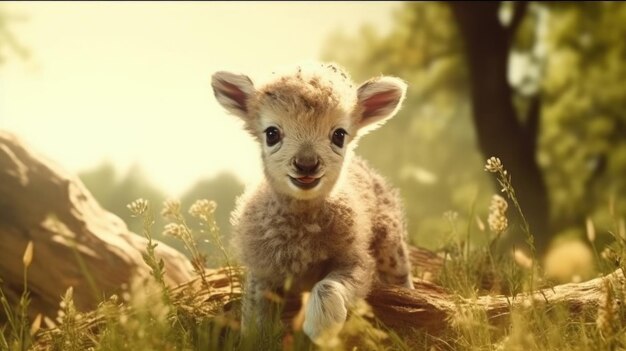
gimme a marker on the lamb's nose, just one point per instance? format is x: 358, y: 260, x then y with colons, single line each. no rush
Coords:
x: 306, y: 164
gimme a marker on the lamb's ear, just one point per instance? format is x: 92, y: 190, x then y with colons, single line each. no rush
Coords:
x: 233, y: 91
x: 378, y: 99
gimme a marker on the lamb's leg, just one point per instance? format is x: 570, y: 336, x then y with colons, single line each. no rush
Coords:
x: 393, y: 265
x: 390, y: 250
x: 258, y: 311
x: 330, y: 298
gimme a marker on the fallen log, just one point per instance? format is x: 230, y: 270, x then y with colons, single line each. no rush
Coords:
x: 429, y: 306
x: 76, y: 242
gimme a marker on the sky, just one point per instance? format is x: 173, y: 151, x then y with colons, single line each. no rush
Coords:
x: 129, y: 82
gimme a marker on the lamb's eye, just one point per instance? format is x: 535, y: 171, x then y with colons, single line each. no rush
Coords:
x: 272, y: 136
x: 338, y: 137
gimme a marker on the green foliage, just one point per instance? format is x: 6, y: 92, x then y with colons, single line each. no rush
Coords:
x: 583, y: 144
x: 429, y: 149
x: 572, y: 55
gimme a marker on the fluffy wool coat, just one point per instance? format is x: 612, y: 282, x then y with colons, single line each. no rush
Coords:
x: 337, y: 237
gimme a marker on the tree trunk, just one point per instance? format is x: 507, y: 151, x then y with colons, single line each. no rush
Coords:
x: 500, y: 132
x: 76, y: 242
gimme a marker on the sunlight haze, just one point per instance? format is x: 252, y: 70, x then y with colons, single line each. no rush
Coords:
x: 129, y: 82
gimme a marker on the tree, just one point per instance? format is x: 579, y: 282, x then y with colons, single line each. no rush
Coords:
x: 435, y: 160
x: 583, y: 139
x: 501, y: 132
x: 539, y: 85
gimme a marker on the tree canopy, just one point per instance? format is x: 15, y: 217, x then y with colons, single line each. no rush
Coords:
x: 566, y: 60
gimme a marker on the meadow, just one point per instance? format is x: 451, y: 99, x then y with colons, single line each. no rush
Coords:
x: 204, y: 314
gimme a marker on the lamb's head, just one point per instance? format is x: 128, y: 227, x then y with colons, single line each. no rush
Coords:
x: 307, y: 121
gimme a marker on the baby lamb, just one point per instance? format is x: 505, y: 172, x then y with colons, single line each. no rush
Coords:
x: 321, y: 218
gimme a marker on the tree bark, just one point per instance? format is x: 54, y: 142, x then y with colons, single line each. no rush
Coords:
x: 500, y: 132
x: 76, y: 242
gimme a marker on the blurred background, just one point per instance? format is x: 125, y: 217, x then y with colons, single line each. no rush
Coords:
x: 120, y: 93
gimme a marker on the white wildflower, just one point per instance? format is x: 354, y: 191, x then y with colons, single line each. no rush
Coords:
x: 493, y: 165
x: 138, y: 207
x: 203, y: 209
x: 174, y: 230
x: 171, y: 209
x: 497, y: 214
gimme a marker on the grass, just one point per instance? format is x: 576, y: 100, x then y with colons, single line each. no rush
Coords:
x: 151, y: 316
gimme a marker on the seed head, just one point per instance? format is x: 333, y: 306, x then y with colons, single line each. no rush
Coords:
x: 174, y: 230
x: 497, y: 214
x: 138, y: 207
x: 171, y: 209
x: 203, y: 209
x: 28, y: 254
x: 493, y: 165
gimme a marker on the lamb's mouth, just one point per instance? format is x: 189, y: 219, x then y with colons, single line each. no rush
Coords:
x: 305, y: 183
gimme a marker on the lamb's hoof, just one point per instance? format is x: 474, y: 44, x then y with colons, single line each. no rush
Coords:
x: 326, y: 313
